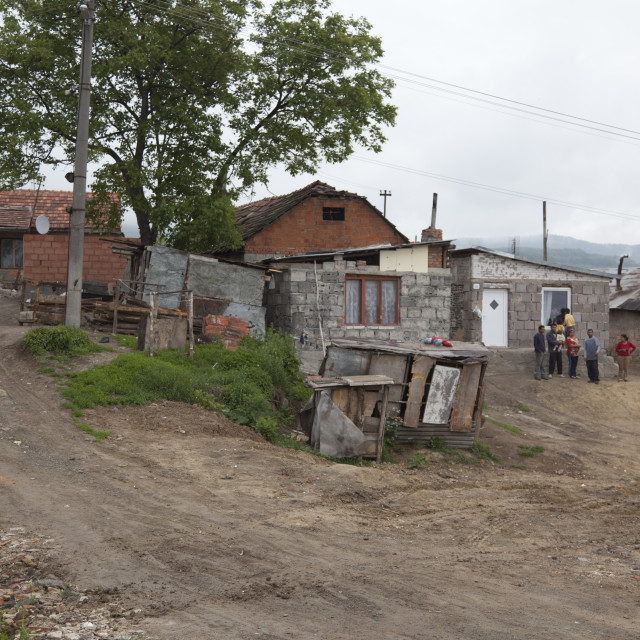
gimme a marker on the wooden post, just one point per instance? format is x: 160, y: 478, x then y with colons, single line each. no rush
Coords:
x: 544, y: 231
x: 190, y: 321
x: 152, y: 318
x: 116, y: 298
x: 383, y: 423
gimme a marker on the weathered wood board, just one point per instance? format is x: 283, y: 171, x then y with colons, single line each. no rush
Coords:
x: 465, y: 400
x: 419, y: 372
x: 442, y: 391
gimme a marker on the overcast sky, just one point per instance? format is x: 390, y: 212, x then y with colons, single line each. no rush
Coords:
x: 575, y: 57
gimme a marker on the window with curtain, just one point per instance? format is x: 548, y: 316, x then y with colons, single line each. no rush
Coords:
x: 371, y: 300
x: 553, y: 301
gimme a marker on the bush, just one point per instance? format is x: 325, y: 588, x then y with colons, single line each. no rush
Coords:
x: 60, y: 340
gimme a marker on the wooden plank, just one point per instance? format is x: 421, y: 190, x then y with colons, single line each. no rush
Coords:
x: 366, y: 381
x: 465, y: 400
x: 383, y: 424
x: 419, y: 372
x: 442, y: 391
x: 370, y: 401
x: 340, y: 397
x: 478, y: 413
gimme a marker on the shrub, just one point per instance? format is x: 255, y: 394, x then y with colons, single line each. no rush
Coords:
x: 60, y: 340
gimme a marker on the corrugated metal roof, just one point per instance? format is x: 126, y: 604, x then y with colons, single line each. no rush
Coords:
x: 552, y: 265
x: 253, y: 217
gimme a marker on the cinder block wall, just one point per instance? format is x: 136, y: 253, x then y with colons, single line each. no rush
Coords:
x: 524, y: 281
x: 302, y: 229
x: 628, y: 322
x: 297, y: 302
x: 45, y: 259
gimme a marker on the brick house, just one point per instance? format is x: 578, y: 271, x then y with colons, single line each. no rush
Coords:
x: 315, y: 218
x: 29, y: 256
x: 500, y: 300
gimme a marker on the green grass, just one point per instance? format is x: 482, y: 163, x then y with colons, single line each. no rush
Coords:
x: 418, y: 461
x: 479, y: 453
x: 99, y: 436
x: 59, y: 342
x: 529, y: 452
x: 130, y: 342
x: 258, y: 384
x: 523, y: 408
x: 504, y: 425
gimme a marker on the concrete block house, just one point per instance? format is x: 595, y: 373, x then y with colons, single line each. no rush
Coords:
x: 341, y: 269
x: 27, y: 255
x: 500, y: 300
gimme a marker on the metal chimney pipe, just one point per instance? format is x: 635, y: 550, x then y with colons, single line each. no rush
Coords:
x: 434, y: 210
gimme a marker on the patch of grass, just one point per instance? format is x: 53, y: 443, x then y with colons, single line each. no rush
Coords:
x: 418, y: 461
x: 130, y: 342
x: 291, y: 443
x: 483, y: 452
x: 529, y: 452
x: 49, y: 370
x: 60, y: 341
x: 258, y: 384
x: 519, y: 466
x: 523, y: 408
x: 504, y: 425
x: 99, y: 436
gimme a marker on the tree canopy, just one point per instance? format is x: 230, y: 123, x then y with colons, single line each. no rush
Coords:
x: 193, y: 101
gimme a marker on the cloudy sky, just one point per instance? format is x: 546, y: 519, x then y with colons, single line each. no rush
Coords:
x: 465, y: 72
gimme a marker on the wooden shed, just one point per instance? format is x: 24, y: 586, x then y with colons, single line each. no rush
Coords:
x: 435, y: 391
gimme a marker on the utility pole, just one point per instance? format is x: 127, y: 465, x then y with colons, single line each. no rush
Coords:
x: 385, y: 194
x: 76, y: 227
x: 544, y: 231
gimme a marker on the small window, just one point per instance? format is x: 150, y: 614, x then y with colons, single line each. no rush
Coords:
x: 371, y: 300
x: 553, y: 301
x: 11, y: 253
x: 333, y: 213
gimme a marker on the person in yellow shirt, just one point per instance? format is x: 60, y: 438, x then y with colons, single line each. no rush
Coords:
x: 569, y: 321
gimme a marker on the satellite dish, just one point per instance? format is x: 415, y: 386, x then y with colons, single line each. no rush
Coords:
x: 42, y: 225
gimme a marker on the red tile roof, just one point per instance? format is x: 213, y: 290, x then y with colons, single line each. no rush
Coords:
x: 14, y: 217
x: 52, y: 204
x: 255, y: 216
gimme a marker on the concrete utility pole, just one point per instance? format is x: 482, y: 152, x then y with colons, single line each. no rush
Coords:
x: 385, y: 194
x: 76, y: 228
x: 544, y: 230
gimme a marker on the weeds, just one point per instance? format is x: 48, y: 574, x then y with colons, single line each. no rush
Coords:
x: 130, y: 342
x: 504, y: 425
x: 61, y: 341
x: 529, y: 452
x: 523, y: 408
x: 258, y: 384
x: 99, y: 436
x: 418, y: 461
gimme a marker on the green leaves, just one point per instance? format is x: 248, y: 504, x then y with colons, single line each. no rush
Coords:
x: 193, y: 101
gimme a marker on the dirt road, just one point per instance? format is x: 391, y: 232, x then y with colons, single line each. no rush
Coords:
x: 206, y: 531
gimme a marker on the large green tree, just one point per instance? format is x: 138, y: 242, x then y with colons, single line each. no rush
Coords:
x: 193, y: 101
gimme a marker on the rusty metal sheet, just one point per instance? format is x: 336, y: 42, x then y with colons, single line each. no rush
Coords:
x: 419, y: 372
x: 462, y: 413
x: 442, y: 391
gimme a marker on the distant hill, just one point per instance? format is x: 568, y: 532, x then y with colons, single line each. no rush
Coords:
x: 560, y: 250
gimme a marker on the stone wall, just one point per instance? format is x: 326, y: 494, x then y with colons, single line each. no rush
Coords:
x: 524, y: 282
x: 301, y: 299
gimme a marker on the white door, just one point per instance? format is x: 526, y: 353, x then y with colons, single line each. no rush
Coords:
x: 494, y: 317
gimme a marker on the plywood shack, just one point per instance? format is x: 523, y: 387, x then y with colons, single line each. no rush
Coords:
x: 436, y: 391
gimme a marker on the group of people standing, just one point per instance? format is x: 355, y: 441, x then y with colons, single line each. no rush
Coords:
x: 562, y: 335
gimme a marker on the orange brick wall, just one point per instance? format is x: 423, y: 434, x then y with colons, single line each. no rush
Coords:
x: 302, y: 229
x: 45, y: 259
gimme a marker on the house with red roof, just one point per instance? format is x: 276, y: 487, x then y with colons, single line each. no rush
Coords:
x: 26, y: 254
x: 315, y: 218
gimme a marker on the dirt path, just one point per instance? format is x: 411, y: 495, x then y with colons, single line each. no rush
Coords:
x: 210, y: 532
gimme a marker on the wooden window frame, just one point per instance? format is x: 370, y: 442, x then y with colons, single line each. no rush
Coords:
x: 13, y: 264
x: 328, y: 214
x: 380, y: 279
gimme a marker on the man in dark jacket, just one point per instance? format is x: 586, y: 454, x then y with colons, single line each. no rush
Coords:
x: 555, y: 350
x: 540, y: 348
